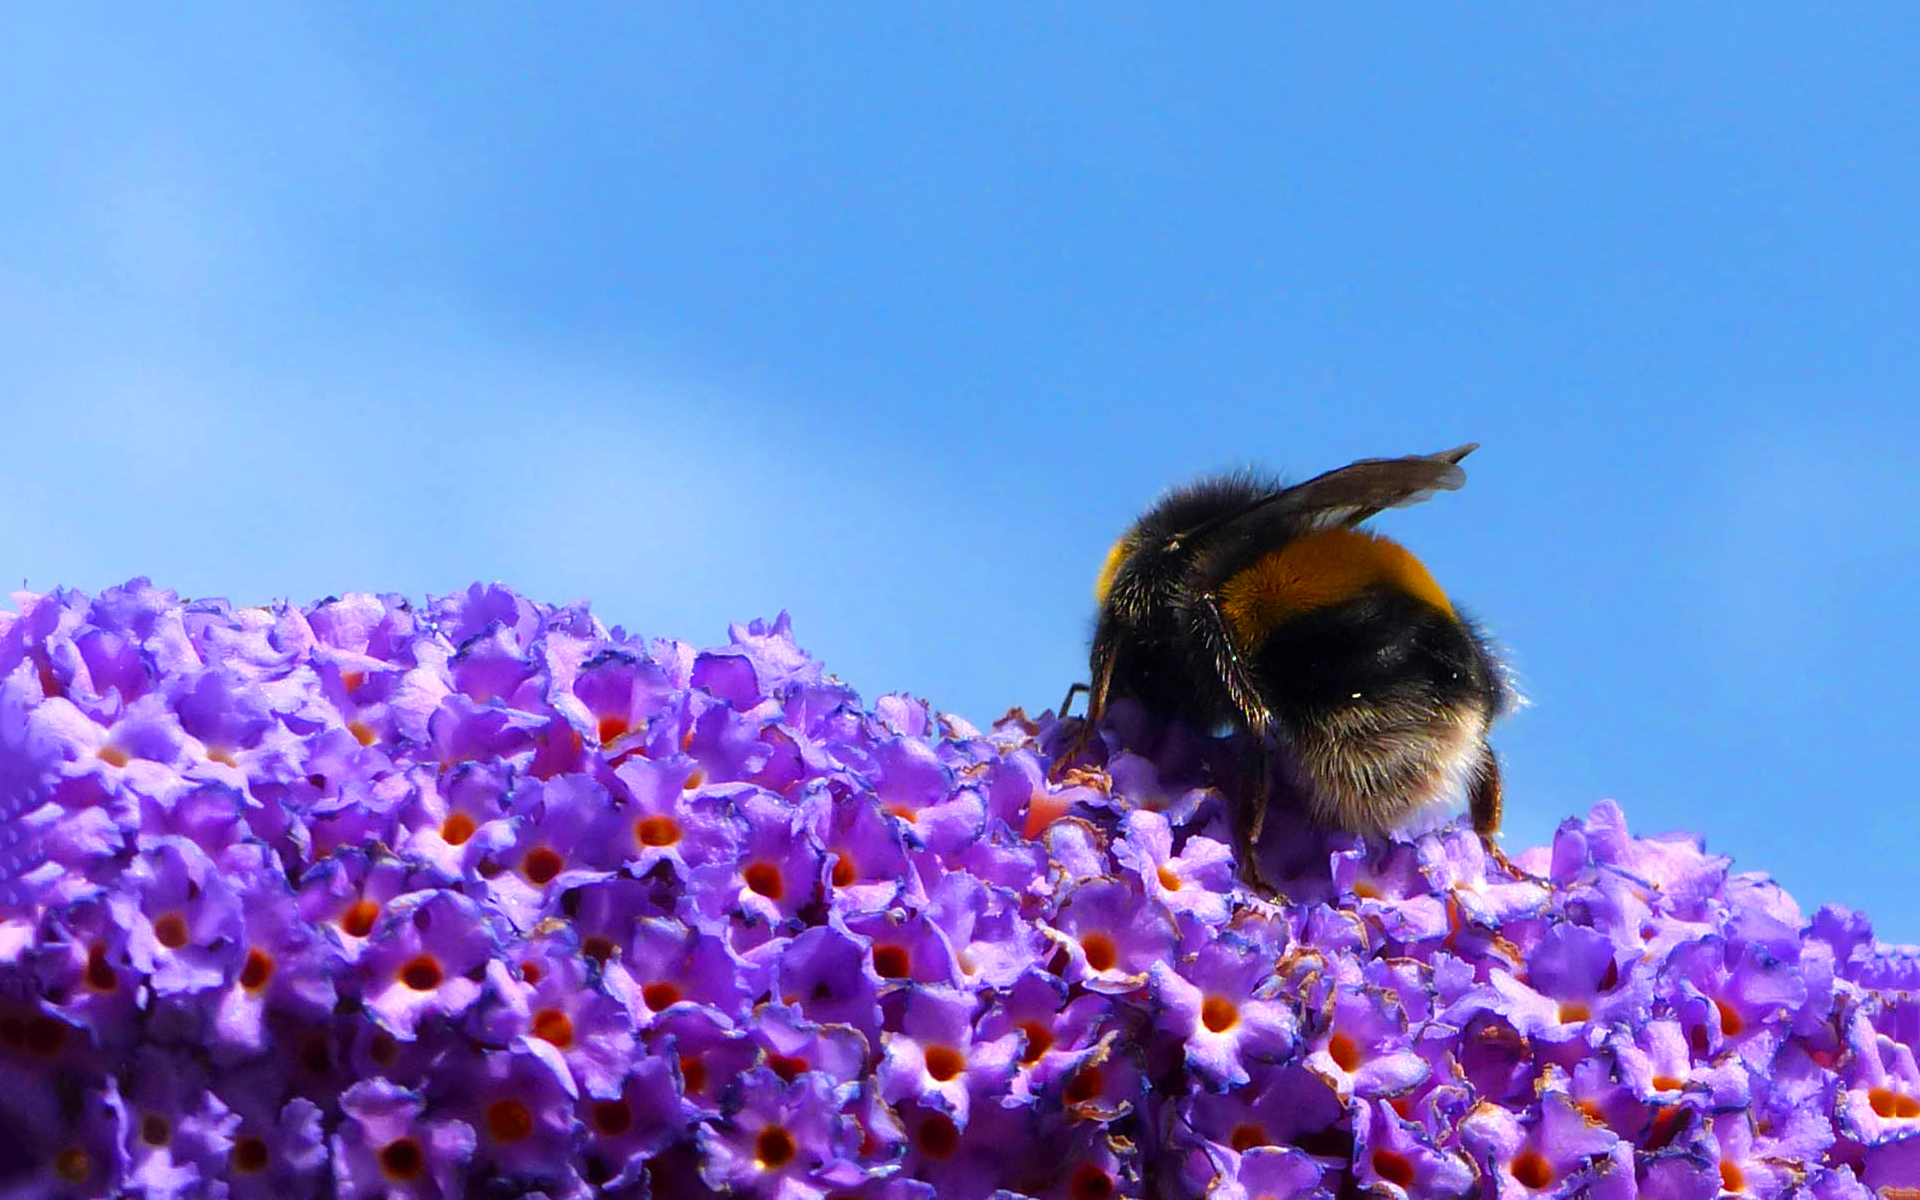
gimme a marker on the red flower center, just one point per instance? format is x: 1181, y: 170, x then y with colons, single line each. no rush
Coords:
x: 1101, y: 956
x: 612, y: 1117
x: 402, y: 1160
x: 249, y: 1156
x: 509, y: 1121
x: 774, y: 1148
x: 541, y: 864
x: 258, y: 971
x: 421, y: 973
x: 1532, y: 1169
x: 358, y: 920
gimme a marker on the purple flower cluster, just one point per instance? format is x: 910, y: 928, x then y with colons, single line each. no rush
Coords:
x: 483, y: 899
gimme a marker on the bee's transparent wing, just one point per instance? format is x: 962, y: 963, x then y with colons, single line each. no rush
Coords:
x: 1349, y: 495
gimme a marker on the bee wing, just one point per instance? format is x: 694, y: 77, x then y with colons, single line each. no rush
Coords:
x: 1349, y: 495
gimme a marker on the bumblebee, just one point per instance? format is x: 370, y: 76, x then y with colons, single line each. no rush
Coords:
x: 1355, y: 683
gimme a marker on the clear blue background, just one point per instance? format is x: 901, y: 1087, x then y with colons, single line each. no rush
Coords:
x: 894, y: 320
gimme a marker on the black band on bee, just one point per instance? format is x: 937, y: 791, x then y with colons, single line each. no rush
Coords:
x: 1382, y: 645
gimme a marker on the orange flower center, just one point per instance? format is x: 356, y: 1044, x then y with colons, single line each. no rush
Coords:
x: 1219, y: 1014
x: 552, y: 1025
x: 944, y: 1063
x: 1086, y: 1083
x: 155, y: 1130
x: 1039, y: 1041
x: 1090, y: 1183
x: 693, y: 1075
x: 1891, y: 1105
x: 656, y: 831
x: 1392, y: 1167
x: 611, y: 726
x: 787, y: 1066
x: 1344, y: 1052
x: 72, y: 1165
x: 1730, y: 1021
x: 100, y: 973
x: 171, y: 930
x: 1101, y: 956
x: 1532, y: 1169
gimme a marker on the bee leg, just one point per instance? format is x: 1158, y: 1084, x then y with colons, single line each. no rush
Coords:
x: 1250, y: 817
x: 1105, y: 654
x: 1077, y: 744
x: 1485, y: 807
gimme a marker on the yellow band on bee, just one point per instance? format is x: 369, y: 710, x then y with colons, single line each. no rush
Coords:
x: 1103, y: 582
x: 1319, y: 570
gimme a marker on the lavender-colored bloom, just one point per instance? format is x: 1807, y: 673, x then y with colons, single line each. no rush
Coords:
x: 624, y: 1130
x: 668, y: 963
x: 277, y: 1154
x: 1363, y: 1049
x: 1555, y: 1151
x: 1271, y: 1173
x: 185, y: 921
x: 480, y: 897
x: 179, y: 1134
x: 707, y: 1053
x: 1215, y: 1004
x: 1111, y: 935
x: 523, y: 1115
x: 426, y: 953
x: 934, y: 1059
x: 551, y: 1009
x: 1194, y: 884
x: 780, y: 1140
x: 1399, y: 1157
x: 389, y: 1146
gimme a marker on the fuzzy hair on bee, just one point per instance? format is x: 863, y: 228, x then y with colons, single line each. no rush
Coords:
x: 1357, y: 685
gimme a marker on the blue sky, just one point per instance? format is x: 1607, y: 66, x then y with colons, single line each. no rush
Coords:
x: 895, y: 318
